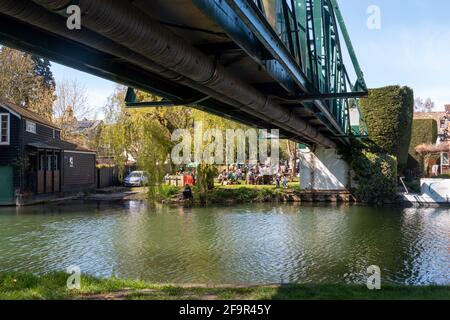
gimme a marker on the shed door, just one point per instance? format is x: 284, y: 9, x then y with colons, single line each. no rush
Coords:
x: 6, y: 184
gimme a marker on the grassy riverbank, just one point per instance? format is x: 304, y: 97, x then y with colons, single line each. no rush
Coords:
x: 245, y: 194
x: 226, y: 195
x: 236, y: 194
x: 53, y: 286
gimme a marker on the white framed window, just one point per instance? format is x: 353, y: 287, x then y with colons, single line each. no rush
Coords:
x: 50, y: 165
x: 4, y: 129
x: 30, y: 126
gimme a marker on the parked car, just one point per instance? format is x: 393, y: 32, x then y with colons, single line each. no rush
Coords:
x: 136, y: 179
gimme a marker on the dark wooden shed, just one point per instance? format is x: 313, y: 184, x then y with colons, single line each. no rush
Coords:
x: 35, y: 161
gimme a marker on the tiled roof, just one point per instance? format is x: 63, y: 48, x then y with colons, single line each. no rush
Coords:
x: 27, y: 113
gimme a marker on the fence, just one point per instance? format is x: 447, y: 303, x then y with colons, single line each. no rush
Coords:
x: 109, y: 176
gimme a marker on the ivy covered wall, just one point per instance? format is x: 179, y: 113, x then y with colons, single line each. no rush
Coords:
x: 375, y: 172
x: 388, y: 113
x: 424, y: 131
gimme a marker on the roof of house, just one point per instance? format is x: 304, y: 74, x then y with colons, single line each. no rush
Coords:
x: 59, y: 145
x: 27, y: 113
x: 432, y: 148
x: 88, y: 124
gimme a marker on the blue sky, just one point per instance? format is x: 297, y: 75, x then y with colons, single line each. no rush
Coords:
x: 412, y: 48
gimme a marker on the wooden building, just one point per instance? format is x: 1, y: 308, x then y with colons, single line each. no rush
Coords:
x: 35, y: 161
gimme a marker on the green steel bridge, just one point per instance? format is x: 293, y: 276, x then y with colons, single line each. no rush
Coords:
x: 266, y: 63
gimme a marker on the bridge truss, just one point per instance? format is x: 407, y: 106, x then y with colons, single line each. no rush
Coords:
x: 298, y: 42
x: 265, y: 63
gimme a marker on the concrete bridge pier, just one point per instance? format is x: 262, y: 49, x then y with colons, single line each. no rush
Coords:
x: 323, y: 169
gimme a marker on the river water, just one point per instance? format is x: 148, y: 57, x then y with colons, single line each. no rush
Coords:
x: 249, y: 244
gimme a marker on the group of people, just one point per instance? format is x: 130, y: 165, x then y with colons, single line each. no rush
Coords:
x: 230, y: 177
x: 281, y: 179
x: 237, y: 174
x: 260, y: 178
x: 253, y: 176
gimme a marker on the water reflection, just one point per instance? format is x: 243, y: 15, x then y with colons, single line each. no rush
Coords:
x: 244, y: 244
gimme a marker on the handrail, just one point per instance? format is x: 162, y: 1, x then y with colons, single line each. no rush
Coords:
x: 404, y: 185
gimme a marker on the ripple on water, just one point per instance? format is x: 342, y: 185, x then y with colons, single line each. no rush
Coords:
x: 244, y: 244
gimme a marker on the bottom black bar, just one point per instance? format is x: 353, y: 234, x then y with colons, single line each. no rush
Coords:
x: 223, y: 309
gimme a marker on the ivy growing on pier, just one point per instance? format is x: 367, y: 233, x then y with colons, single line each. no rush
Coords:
x: 388, y: 112
x: 375, y: 172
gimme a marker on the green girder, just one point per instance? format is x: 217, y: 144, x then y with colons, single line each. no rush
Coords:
x: 311, y: 32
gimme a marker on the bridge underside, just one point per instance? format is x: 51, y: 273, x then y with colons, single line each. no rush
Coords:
x: 203, y: 27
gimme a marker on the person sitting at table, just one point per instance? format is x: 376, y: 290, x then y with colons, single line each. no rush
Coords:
x: 259, y: 179
x: 222, y: 177
x: 238, y: 174
x: 249, y: 177
x: 230, y: 176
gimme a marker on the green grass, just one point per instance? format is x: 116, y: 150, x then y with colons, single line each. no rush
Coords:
x: 239, y: 193
x: 291, y: 186
x: 242, y: 193
x: 18, y: 286
x: 168, y: 191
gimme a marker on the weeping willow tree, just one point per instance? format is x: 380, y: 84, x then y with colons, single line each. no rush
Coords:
x: 142, y: 135
x: 207, y: 172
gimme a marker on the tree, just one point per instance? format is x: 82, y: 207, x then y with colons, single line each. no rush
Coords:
x: 169, y: 117
x: 423, y: 106
x: 137, y: 133
x: 291, y: 149
x: 71, y: 103
x: 388, y: 113
x: 144, y: 134
x: 26, y: 81
x: 42, y: 68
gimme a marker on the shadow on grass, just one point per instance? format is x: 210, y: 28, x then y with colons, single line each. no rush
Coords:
x: 357, y: 292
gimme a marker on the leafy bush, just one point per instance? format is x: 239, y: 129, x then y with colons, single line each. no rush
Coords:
x: 388, y: 113
x: 242, y: 195
x: 424, y: 131
x: 375, y: 172
x: 168, y: 191
x: 378, y: 175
